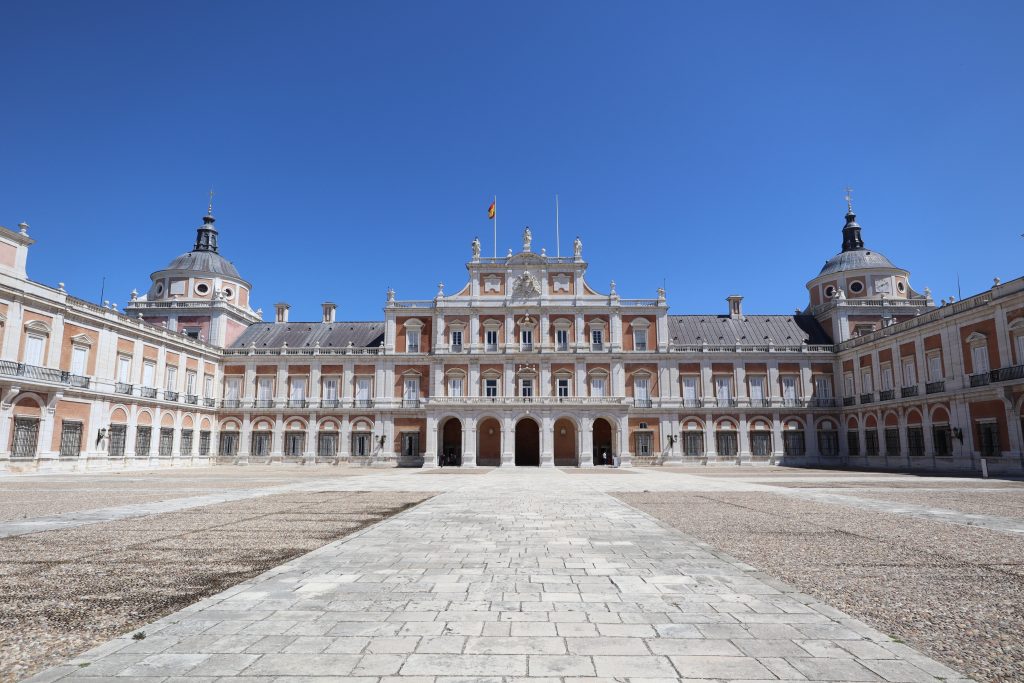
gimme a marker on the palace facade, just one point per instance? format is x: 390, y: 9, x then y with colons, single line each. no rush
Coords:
x: 527, y: 364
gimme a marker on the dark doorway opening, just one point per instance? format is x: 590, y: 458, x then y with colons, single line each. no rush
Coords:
x: 527, y: 443
x: 602, y: 442
x: 451, y: 443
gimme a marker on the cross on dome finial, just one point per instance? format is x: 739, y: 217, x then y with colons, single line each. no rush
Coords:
x: 849, y: 199
x: 209, y: 210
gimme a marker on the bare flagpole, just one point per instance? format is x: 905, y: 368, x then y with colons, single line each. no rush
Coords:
x: 558, y: 237
x: 495, y: 219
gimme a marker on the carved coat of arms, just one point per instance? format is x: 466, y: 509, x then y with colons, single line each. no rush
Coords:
x: 526, y: 285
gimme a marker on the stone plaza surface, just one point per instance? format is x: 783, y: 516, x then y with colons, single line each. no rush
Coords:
x: 532, y: 574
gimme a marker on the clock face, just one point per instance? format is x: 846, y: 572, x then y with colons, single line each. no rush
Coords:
x: 882, y: 286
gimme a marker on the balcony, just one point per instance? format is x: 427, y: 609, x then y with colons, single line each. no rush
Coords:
x: 456, y: 348
x: 170, y: 395
x: 1007, y: 374
x: 867, y: 398
x: 935, y: 387
x: 362, y: 403
x: 823, y: 403
x: 691, y: 403
x: 34, y: 372
x: 597, y: 346
x: 122, y: 388
x: 908, y: 392
x: 209, y: 402
x: 759, y: 403
x: 263, y: 403
x: 191, y: 399
x: 719, y: 403
x: 886, y: 395
x: 526, y: 346
x: 980, y: 380
x: 792, y: 403
x: 147, y: 392
x: 410, y: 403
x: 330, y: 403
x: 642, y: 403
x: 297, y: 403
x: 849, y: 401
x: 490, y: 348
x: 230, y: 403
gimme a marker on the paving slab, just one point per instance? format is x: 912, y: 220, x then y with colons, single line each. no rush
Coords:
x: 520, y: 574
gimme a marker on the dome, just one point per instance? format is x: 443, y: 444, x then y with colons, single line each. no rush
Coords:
x: 856, y: 260
x: 209, y: 262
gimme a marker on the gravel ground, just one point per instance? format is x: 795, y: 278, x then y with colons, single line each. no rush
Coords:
x: 954, y: 592
x: 62, y: 592
x: 22, y: 497
x: 1001, y: 503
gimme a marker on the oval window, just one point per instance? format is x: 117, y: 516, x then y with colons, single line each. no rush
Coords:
x: 159, y: 289
x: 900, y: 287
x: 830, y: 291
x: 856, y: 287
x: 203, y: 288
x: 228, y: 292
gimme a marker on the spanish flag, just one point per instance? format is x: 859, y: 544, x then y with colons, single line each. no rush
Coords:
x: 490, y: 211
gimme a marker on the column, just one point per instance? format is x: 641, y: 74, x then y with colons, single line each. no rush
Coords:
x: 508, y: 442
x: 469, y: 442
x: 544, y: 342
x: 309, y: 452
x: 904, y: 441
x: 474, y: 328
x: 674, y: 388
x: 586, y: 454
x: 388, y: 429
x: 744, y: 437
x: 473, y: 390
x: 248, y: 392
x: 345, y: 439
x: 707, y: 391
x: 580, y: 377
x: 547, y: 433
x: 773, y: 387
x: 277, y: 440
x: 579, y: 329
x: 347, y: 387
x: 430, y: 454
x: 281, y: 388
x: 741, y: 385
x: 509, y: 382
x: 777, y: 449
x: 244, y: 441
x: 672, y: 452
x: 625, y: 455
x: 615, y: 331
x: 545, y: 380
x: 811, y: 445
x: 710, y: 447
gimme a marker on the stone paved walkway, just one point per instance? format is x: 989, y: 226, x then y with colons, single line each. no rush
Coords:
x: 513, y: 575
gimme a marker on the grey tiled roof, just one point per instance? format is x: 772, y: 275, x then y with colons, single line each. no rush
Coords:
x: 204, y: 262
x: 751, y: 329
x: 298, y: 334
x: 855, y: 259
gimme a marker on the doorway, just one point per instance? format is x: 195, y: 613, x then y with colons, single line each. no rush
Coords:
x: 602, y: 442
x: 527, y: 443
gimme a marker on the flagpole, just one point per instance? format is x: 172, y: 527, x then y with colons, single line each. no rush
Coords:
x: 558, y: 237
x: 495, y: 219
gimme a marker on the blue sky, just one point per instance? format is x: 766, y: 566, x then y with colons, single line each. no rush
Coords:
x: 353, y: 146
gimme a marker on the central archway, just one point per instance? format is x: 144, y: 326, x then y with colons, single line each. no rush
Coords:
x: 488, y: 449
x: 565, y: 442
x: 527, y: 443
x: 451, y: 442
x: 603, y: 450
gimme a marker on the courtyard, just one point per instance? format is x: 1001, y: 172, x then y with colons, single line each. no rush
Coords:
x: 344, y: 573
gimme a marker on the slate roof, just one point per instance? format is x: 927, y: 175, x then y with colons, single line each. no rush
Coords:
x: 750, y: 329
x: 298, y: 334
x: 204, y: 262
x: 855, y: 259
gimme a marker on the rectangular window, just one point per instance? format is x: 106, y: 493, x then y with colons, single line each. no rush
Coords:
x: 228, y: 445
x: 166, y: 442
x: 563, y: 387
x: 208, y: 386
x: 363, y: 389
x: 723, y: 388
x: 641, y: 388
x: 761, y: 444
x: 526, y: 388
x: 865, y: 381
x: 597, y: 387
x: 143, y: 437
x: 410, y: 389
x: 260, y: 444
x: 756, y: 389
x: 942, y: 439
x: 526, y: 339
x: 823, y: 387
x: 70, y: 439
x: 410, y: 443
x: 204, y: 443
x: 848, y: 385
x: 1020, y: 349
x: 456, y: 340
x: 886, y: 377
x: 149, y: 374
x: 118, y: 434
x: 597, y: 340
x: 232, y: 388
x: 124, y: 369
x: 643, y: 443
x: 190, y: 382
x: 265, y: 389
x: 892, y: 441
x: 690, y: 390
x: 915, y: 441
x: 331, y: 389
x: 491, y: 339
x: 909, y: 373
x: 490, y: 388
x: 793, y: 442
x: 26, y: 437
x: 327, y: 444
x: 871, y: 442
x: 640, y: 339
x: 934, y: 367
x: 828, y: 443
x: 79, y: 355
x: 361, y: 443
x: 693, y: 443
x: 988, y: 439
x: 172, y: 378
x: 294, y: 443
x: 412, y: 341
x: 562, y: 340
x: 34, y: 349
x: 725, y: 442
x: 186, y: 442
x: 979, y: 359
x: 297, y: 390
x: 789, y: 390
x: 455, y: 386
x: 853, y: 442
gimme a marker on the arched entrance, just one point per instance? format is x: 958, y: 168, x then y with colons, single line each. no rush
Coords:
x: 527, y: 443
x: 488, y: 449
x: 603, y: 447
x: 451, y: 443
x: 565, y: 443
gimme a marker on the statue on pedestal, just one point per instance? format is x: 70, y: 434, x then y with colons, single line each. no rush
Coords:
x: 527, y: 238
x: 577, y: 248
x: 476, y: 248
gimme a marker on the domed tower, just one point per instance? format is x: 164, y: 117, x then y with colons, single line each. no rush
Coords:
x: 860, y: 290
x: 199, y: 293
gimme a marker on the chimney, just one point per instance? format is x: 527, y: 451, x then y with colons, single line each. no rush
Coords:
x: 735, y: 306
x: 281, y: 312
x: 329, y: 309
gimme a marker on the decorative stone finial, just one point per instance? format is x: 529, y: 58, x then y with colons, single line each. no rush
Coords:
x: 527, y: 239
x: 391, y: 295
x: 995, y: 282
x: 440, y: 290
x: 661, y: 293
x: 544, y: 251
x: 135, y: 294
x: 23, y: 228
x: 613, y: 292
x: 509, y: 252
x: 927, y: 293
x: 60, y: 286
x: 849, y: 199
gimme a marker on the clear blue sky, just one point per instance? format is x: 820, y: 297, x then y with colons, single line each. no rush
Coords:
x: 354, y: 146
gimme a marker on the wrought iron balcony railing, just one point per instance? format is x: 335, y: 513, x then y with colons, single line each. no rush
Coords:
x: 867, y: 398
x: 123, y: 388
x: 191, y: 399
x: 936, y: 387
x: 170, y: 395
x: 849, y: 401
x: 980, y: 380
x: 1006, y: 374
x: 34, y: 372
x: 886, y: 395
x: 147, y: 392
x: 908, y: 392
